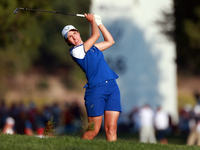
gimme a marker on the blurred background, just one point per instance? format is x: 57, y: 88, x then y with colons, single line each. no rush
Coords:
x: 38, y: 78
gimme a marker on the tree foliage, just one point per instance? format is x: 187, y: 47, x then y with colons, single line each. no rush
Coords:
x: 20, y: 35
x: 187, y: 35
x: 31, y: 38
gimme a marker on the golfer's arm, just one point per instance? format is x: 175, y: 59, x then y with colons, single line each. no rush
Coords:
x: 94, y: 37
x: 108, y: 39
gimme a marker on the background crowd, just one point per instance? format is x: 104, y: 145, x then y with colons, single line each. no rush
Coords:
x: 31, y: 120
x: 151, y: 125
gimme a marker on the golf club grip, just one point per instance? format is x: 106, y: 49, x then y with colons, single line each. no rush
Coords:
x: 80, y: 15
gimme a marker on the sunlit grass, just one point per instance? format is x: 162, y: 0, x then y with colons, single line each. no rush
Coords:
x: 16, y: 142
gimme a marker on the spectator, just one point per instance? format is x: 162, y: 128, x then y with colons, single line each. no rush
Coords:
x: 9, y: 125
x: 184, y: 117
x: 68, y: 119
x: 3, y: 113
x: 56, y: 111
x: 161, y: 125
x: 147, y: 132
x: 194, y: 124
x: 28, y: 128
x: 20, y: 122
x: 40, y: 132
x: 135, y: 119
x: 32, y: 114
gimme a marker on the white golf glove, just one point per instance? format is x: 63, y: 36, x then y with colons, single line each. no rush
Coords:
x: 98, y: 19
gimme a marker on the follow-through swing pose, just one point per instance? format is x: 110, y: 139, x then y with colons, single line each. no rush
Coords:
x: 102, y: 95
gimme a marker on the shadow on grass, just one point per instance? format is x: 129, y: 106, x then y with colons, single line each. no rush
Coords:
x: 172, y: 139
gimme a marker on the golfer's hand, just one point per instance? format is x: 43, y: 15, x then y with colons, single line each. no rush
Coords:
x: 90, y: 17
x: 98, y: 19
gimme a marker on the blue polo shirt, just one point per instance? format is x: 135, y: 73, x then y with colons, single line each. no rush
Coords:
x: 93, y: 64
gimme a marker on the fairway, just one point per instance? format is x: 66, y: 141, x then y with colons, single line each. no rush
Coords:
x: 23, y: 142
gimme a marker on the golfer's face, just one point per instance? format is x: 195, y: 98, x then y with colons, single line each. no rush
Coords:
x: 74, y: 37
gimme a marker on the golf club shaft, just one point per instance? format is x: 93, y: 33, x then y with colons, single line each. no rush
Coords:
x: 78, y: 15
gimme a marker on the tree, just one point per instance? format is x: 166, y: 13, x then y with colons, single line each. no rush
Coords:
x: 30, y: 38
x: 185, y: 34
x: 20, y: 35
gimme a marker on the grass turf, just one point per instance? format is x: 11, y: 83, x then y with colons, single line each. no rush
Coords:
x: 24, y: 142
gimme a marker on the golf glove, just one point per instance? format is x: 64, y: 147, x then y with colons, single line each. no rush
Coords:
x: 97, y: 19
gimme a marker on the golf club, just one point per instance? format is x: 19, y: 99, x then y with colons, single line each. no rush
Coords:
x: 78, y: 15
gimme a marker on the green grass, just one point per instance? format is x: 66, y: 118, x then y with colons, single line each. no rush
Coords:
x: 23, y: 142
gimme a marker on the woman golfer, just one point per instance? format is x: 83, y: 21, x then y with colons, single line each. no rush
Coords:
x: 102, y: 95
